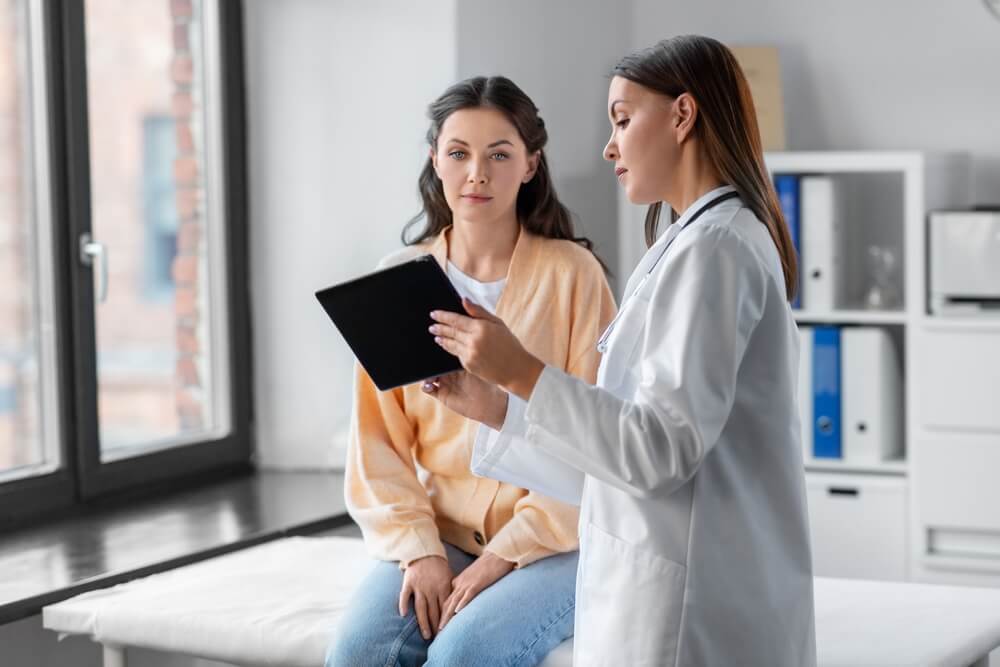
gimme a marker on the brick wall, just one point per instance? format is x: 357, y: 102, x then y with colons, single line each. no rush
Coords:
x: 189, y: 302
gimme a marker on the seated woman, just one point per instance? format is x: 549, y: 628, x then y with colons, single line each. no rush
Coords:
x: 473, y: 571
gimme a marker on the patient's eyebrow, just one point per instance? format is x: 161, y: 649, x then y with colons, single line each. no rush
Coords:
x: 611, y: 112
x: 493, y: 145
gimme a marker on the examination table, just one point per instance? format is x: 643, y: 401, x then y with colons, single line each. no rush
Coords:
x: 277, y: 604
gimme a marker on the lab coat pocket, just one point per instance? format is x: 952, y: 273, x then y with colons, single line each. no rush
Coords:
x: 629, y: 603
x: 619, y: 355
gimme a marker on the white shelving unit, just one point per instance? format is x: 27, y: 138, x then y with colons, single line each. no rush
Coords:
x: 858, y: 511
x: 875, y: 520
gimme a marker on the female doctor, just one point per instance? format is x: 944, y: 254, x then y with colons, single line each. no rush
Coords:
x: 694, y: 545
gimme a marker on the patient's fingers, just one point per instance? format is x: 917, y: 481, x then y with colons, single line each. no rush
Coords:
x: 420, y: 606
x: 448, y: 610
x: 404, y: 598
x: 433, y: 612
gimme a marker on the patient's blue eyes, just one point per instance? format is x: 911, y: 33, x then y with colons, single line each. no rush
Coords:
x: 460, y: 155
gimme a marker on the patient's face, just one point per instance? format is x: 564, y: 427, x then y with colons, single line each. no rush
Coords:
x: 482, y: 163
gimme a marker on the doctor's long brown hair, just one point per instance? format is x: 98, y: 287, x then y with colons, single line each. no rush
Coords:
x: 538, y: 208
x: 726, y: 126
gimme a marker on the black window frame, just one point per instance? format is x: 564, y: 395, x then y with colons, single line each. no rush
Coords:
x: 82, y: 479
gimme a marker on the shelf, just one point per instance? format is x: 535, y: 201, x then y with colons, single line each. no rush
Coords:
x: 842, y: 161
x: 990, y: 323
x: 851, y: 317
x: 895, y: 467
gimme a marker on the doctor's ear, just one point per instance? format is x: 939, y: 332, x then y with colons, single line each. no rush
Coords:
x: 685, y: 114
x: 533, y: 161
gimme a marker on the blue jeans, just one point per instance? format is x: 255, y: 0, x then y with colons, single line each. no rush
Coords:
x: 516, y: 621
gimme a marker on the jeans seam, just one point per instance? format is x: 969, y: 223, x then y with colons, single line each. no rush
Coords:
x: 544, y: 630
x: 393, y: 658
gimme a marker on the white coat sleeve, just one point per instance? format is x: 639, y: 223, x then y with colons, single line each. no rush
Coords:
x: 506, y: 456
x: 700, y: 315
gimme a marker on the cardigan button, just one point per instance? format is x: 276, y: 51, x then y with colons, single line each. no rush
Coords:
x: 480, y: 540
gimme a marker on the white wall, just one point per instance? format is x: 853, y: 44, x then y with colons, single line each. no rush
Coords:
x: 337, y: 93
x: 892, y: 74
x: 560, y: 52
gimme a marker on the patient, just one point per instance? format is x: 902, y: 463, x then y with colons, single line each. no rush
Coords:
x: 472, y: 571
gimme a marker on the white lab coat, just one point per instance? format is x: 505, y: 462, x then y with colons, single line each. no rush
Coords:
x: 685, y: 459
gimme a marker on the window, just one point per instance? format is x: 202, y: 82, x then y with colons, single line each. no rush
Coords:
x: 123, y: 248
x: 159, y: 206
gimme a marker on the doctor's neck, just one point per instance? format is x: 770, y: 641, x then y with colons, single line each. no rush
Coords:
x: 483, y: 249
x: 696, y: 176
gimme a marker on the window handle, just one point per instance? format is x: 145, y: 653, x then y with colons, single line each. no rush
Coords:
x: 91, y: 251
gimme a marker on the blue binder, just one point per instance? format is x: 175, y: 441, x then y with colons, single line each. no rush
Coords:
x: 787, y: 186
x: 826, y: 393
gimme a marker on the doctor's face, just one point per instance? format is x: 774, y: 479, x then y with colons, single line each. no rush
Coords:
x: 482, y: 163
x: 643, y: 144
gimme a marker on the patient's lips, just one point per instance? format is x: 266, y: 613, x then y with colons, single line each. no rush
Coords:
x: 477, y: 197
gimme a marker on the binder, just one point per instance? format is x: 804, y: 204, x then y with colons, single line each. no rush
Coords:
x: 826, y: 393
x: 787, y: 187
x: 821, y: 234
x: 805, y: 392
x: 872, y: 393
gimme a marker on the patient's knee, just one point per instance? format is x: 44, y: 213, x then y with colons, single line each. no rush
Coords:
x: 349, y: 651
x: 455, y: 649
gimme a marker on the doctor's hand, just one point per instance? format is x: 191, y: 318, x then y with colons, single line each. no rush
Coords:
x: 487, y: 348
x: 471, y: 397
x: 428, y: 581
x: 483, y: 573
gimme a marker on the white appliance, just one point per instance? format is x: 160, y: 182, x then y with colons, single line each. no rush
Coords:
x: 964, y: 263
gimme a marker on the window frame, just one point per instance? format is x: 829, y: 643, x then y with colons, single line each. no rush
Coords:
x: 82, y: 476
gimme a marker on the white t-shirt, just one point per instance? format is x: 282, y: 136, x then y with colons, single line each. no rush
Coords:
x: 485, y: 294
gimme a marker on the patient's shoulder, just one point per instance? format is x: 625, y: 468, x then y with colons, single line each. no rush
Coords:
x: 403, y: 255
x: 570, y: 257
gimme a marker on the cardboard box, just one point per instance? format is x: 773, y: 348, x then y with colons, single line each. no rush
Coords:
x: 763, y: 72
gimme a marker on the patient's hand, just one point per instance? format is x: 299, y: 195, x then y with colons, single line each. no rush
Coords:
x: 428, y: 581
x: 483, y: 573
x: 470, y: 397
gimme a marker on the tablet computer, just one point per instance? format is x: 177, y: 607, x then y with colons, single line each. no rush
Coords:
x: 384, y: 317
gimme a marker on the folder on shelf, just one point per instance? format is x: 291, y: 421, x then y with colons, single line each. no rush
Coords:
x: 826, y: 392
x: 805, y: 393
x: 872, y: 395
x: 820, y: 233
x: 787, y: 187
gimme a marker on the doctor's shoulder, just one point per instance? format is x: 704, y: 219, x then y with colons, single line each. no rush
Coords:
x: 739, y: 236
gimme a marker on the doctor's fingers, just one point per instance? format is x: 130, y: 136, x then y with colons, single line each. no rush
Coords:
x: 454, y: 320
x: 455, y: 347
x: 448, y: 331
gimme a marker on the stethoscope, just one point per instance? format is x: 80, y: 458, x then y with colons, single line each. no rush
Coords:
x: 602, y: 343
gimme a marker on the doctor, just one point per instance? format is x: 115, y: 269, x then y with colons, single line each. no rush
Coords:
x: 694, y: 545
